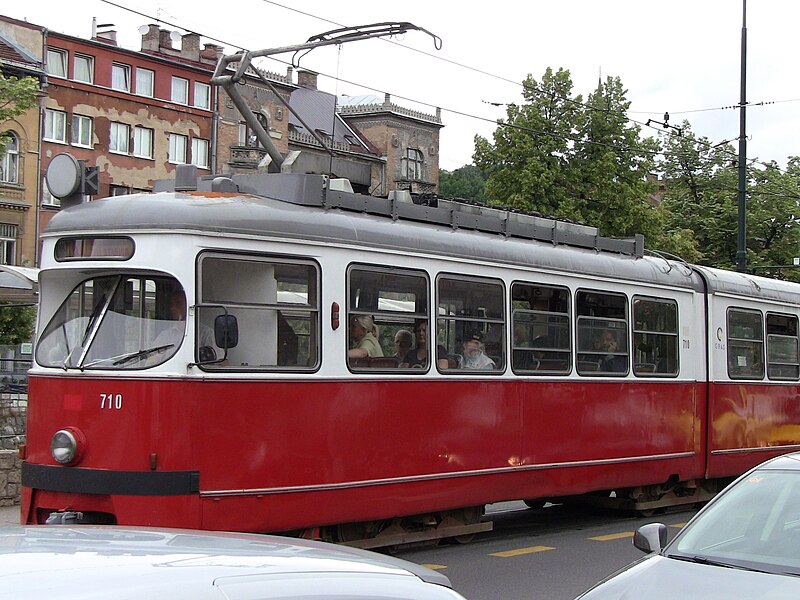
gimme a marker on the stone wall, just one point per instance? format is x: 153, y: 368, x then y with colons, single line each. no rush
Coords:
x: 13, y: 409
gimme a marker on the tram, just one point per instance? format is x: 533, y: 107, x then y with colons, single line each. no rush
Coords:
x: 194, y: 365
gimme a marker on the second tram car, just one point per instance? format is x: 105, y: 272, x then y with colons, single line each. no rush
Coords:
x: 194, y: 365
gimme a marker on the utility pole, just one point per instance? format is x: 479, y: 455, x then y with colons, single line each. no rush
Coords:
x: 741, y: 253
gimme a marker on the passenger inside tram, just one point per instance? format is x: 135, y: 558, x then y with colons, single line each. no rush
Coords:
x: 418, y: 357
x: 364, y: 338
x: 474, y: 356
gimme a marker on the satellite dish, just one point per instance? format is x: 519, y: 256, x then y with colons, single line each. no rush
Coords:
x: 63, y: 175
x: 144, y: 29
x: 175, y: 36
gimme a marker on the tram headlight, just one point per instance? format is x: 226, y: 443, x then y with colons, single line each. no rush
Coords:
x: 66, y: 446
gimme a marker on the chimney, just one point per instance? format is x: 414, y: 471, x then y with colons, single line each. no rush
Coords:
x: 150, y: 38
x: 108, y: 37
x: 307, y: 79
x: 211, y: 52
x: 165, y: 39
x: 190, y: 46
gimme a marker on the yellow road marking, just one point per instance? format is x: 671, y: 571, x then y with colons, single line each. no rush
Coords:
x: 521, y: 551
x: 435, y: 567
x: 612, y: 536
x: 678, y: 525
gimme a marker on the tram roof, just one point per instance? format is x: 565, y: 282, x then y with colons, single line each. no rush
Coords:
x: 304, y: 214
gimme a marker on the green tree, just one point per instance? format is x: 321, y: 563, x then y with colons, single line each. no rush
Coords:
x: 16, y: 324
x: 17, y: 95
x: 584, y: 161
x: 466, y: 182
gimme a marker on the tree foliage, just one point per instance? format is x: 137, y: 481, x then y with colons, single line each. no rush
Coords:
x: 466, y: 182
x: 16, y: 324
x: 17, y: 95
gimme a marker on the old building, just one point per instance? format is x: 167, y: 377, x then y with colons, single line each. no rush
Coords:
x: 21, y: 56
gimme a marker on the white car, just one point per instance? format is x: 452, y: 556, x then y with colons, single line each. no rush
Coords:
x: 116, y: 563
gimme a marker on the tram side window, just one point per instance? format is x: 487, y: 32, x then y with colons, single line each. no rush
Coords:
x: 540, y: 329
x: 387, y: 317
x: 782, y: 347
x: 471, y: 323
x: 745, y: 344
x: 602, y: 342
x: 275, y: 302
x: 655, y: 337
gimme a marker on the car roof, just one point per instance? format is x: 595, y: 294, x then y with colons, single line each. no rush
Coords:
x: 789, y: 462
x: 133, y: 562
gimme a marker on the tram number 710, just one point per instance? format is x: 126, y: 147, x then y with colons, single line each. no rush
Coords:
x: 111, y: 401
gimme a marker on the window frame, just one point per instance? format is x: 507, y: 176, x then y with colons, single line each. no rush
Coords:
x: 125, y: 71
x: 204, y: 90
x: 615, y: 324
x: 200, y: 152
x: 174, y: 96
x: 117, y: 132
x: 540, y: 369
x: 89, y: 61
x: 10, y: 161
x: 312, y: 310
x: 80, y: 130
x: 643, y: 371
x: 388, y: 318
x: 796, y: 337
x: 50, y: 115
x: 173, y: 147
x: 63, y: 56
x: 148, y: 93
x: 412, y: 164
x: 740, y: 341
x: 460, y: 323
x: 137, y: 142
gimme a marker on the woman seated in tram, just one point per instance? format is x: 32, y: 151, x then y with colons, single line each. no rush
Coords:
x: 418, y: 357
x: 364, y: 337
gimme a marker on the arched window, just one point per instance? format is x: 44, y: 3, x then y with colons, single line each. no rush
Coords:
x: 9, y: 165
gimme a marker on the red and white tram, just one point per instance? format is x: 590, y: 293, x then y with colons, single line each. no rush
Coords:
x: 239, y: 408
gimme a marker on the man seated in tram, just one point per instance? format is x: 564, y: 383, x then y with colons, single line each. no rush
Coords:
x: 474, y: 356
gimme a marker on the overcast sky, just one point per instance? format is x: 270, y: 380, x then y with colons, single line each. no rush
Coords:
x: 681, y: 56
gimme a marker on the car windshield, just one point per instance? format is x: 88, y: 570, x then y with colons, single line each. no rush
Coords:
x: 115, y: 322
x: 754, y: 525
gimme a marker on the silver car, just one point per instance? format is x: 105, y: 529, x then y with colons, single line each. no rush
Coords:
x: 744, y: 544
x: 143, y: 563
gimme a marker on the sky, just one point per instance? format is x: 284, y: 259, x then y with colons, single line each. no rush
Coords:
x: 681, y: 57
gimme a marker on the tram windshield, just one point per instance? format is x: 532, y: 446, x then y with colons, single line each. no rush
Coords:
x: 116, y: 322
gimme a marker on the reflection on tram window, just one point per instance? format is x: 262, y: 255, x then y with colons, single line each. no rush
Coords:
x: 471, y: 324
x: 655, y: 337
x: 274, y: 303
x: 384, y: 303
x: 782, y: 347
x: 115, y: 322
x: 602, y: 343
x: 745, y: 344
x: 540, y: 330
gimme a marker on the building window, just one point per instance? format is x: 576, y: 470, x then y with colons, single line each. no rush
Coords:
x: 177, y: 149
x: 56, y: 63
x: 120, y: 77
x: 412, y: 164
x: 55, y: 126
x: 200, y: 153
x: 180, y: 90
x: 8, y: 244
x: 144, y: 82
x: 120, y: 138
x: 47, y: 198
x: 202, y: 95
x: 142, y: 142
x: 9, y: 165
x: 81, y: 131
x: 83, y: 68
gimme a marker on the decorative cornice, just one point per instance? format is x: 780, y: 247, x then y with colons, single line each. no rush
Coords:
x: 391, y: 108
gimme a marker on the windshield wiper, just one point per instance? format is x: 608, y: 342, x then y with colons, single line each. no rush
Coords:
x: 130, y: 356
x: 704, y: 560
